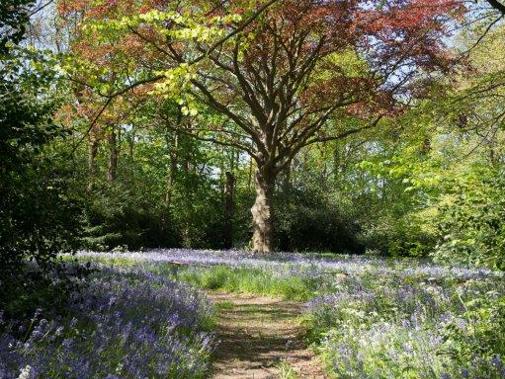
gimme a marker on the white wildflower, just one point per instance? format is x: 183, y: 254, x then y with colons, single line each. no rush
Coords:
x: 26, y: 373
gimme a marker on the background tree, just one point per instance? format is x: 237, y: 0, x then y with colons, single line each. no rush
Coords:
x: 149, y: 149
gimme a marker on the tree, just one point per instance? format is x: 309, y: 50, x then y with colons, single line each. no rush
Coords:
x: 281, y: 71
x: 499, y: 6
x: 14, y: 15
x: 38, y: 218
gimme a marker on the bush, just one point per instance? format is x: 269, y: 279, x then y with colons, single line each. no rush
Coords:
x: 308, y: 221
x: 475, y: 339
x: 38, y: 216
x: 128, y: 216
x: 117, y: 218
x: 412, y: 325
x: 413, y: 234
x: 472, y: 220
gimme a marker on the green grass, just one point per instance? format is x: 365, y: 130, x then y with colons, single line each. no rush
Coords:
x: 223, y: 305
x: 286, y: 371
x: 245, y: 280
x: 229, y: 279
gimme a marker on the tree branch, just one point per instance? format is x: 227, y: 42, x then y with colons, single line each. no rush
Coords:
x: 497, y: 5
x: 346, y: 133
x: 93, y: 123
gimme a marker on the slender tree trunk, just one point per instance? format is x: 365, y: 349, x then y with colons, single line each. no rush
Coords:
x: 168, y: 189
x: 173, y: 149
x: 262, y: 240
x: 286, y: 184
x: 113, y: 156
x: 250, y: 175
x: 492, y: 155
x: 336, y: 164
x: 131, y: 144
x: 92, y: 165
x: 229, y: 209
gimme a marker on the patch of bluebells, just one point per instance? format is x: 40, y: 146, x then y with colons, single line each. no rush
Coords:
x: 300, y: 263
x: 412, y: 326
x: 122, y: 324
x: 379, y: 318
x: 384, y: 350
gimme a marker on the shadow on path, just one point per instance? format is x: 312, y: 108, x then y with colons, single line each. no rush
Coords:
x: 256, y: 334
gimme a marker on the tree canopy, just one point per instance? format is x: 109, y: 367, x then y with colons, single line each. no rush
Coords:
x: 275, y: 74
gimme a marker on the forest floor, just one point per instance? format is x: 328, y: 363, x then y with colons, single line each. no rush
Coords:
x: 261, y: 337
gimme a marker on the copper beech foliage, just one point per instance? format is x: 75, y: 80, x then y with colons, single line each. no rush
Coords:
x: 282, y: 66
x: 283, y: 72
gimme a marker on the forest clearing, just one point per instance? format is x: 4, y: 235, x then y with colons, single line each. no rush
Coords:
x: 252, y: 189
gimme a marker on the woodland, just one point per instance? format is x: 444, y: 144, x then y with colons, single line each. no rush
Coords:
x: 252, y: 188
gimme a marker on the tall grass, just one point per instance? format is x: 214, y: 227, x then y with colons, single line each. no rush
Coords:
x: 244, y: 280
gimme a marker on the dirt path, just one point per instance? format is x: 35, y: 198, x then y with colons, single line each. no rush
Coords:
x: 258, y: 336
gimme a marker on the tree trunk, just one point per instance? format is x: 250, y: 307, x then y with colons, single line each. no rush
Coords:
x: 131, y: 144
x: 92, y: 165
x: 286, y: 184
x: 229, y: 208
x: 113, y: 157
x: 173, y: 149
x: 250, y: 174
x: 262, y: 240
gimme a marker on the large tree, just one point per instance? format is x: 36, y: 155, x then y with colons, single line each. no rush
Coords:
x: 278, y: 70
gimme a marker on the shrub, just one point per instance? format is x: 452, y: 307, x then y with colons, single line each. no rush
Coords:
x: 39, y: 218
x: 475, y: 339
x: 473, y: 221
x: 308, y: 221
